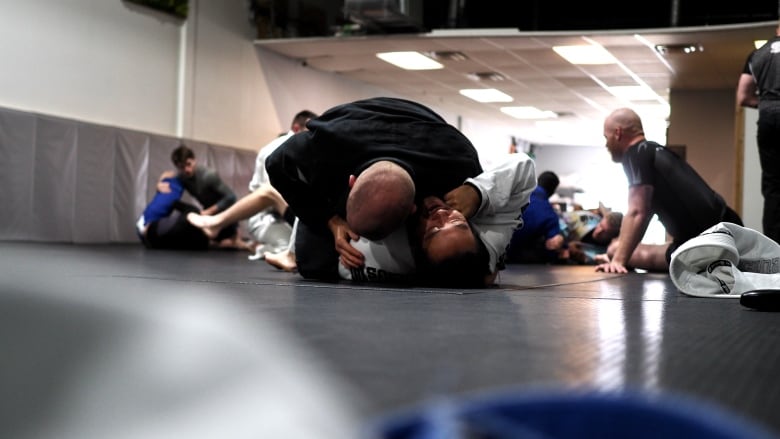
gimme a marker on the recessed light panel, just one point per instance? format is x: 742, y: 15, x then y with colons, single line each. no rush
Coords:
x: 486, y: 95
x: 585, y: 54
x: 410, y: 60
x: 528, y: 113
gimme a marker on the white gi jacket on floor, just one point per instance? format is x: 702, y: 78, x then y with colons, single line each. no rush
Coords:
x: 505, y: 190
x: 726, y: 260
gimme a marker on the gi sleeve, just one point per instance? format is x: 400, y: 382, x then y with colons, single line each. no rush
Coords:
x: 506, y: 191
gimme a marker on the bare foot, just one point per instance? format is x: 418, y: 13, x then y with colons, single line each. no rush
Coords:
x: 205, y: 223
x: 283, y: 260
x: 237, y: 244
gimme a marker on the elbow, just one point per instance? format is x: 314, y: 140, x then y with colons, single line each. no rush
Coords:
x: 746, y: 102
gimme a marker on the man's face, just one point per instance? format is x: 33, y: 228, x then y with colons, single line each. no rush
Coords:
x: 612, y: 137
x: 602, y: 234
x: 187, y: 168
x: 443, y: 231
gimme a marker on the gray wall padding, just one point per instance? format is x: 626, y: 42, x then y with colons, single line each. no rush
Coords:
x: 68, y: 181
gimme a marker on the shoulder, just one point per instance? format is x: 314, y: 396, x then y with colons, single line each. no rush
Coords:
x: 293, y: 142
x: 208, y: 175
x: 644, y: 150
x: 273, y: 144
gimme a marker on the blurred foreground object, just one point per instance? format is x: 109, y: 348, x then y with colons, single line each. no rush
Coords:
x: 560, y: 414
x: 85, y: 363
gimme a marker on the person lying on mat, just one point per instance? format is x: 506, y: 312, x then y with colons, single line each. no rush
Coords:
x: 389, y: 153
x: 459, y: 240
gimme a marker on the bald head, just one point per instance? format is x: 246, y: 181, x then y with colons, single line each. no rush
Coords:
x: 380, y: 200
x: 627, y: 120
x: 622, y: 128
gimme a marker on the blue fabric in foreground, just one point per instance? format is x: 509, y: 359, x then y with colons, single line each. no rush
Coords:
x: 564, y: 415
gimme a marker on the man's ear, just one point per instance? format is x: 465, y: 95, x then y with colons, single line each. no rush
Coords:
x: 352, y: 179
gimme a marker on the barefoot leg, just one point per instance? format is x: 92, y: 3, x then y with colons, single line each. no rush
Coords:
x: 283, y: 260
x: 205, y: 223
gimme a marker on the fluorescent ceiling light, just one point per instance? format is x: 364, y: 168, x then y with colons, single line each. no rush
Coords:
x: 759, y: 43
x: 410, y: 60
x: 528, y: 113
x: 588, y: 54
x: 486, y: 95
x: 633, y: 92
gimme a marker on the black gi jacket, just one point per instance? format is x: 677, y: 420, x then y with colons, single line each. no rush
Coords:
x: 311, y: 169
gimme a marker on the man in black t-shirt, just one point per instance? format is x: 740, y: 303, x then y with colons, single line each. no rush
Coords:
x: 205, y: 185
x: 759, y: 87
x: 661, y: 183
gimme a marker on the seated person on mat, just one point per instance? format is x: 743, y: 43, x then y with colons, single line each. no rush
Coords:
x: 163, y: 224
x: 206, y: 186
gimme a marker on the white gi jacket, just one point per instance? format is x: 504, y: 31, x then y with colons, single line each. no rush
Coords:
x: 726, y: 260
x: 265, y: 226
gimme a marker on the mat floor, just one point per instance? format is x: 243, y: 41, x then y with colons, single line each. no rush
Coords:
x: 388, y: 348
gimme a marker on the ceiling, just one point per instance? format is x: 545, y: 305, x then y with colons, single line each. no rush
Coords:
x: 534, y: 75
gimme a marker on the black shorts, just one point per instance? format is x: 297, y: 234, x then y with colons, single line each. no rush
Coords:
x: 174, y: 232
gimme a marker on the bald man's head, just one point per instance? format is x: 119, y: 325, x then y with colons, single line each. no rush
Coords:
x: 622, y: 128
x: 626, y: 119
x: 381, y: 199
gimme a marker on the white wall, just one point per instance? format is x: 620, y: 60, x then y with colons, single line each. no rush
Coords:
x: 227, y: 99
x: 91, y: 60
x: 118, y: 64
x: 294, y: 87
x: 589, y: 168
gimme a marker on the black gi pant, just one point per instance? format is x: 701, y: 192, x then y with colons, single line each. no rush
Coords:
x: 315, y: 254
x: 768, y: 138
